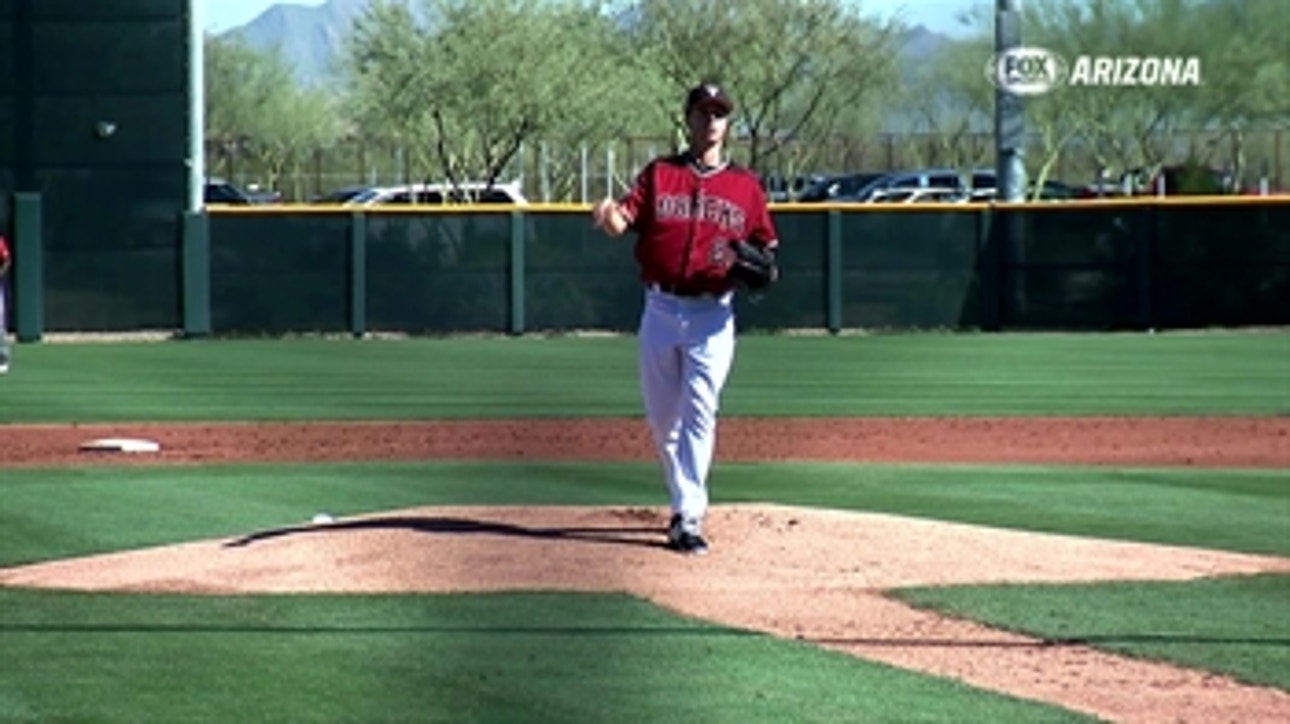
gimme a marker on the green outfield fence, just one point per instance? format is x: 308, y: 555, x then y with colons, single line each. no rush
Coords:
x: 1096, y: 265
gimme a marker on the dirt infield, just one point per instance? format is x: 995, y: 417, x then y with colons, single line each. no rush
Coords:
x: 1119, y: 441
x: 807, y: 574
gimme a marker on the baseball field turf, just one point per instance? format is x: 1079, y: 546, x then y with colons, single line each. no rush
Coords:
x: 546, y: 655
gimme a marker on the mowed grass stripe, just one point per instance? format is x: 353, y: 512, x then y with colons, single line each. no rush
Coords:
x: 1234, y: 625
x: 917, y: 374
x: 58, y: 513
x: 513, y: 658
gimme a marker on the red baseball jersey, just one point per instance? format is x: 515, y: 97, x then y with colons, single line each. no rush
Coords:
x: 684, y: 216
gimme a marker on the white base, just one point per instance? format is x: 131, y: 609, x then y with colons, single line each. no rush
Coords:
x: 120, y: 444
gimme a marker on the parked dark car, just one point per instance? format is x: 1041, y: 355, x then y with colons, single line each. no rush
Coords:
x: 223, y: 192
x: 1180, y: 180
x: 263, y: 196
x: 985, y: 188
x: 1170, y: 180
x: 220, y: 191
x: 780, y: 189
x: 341, y: 195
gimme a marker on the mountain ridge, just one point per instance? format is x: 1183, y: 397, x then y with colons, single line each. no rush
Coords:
x: 310, y: 37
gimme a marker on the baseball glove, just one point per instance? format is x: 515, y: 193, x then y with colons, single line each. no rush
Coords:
x: 754, y: 267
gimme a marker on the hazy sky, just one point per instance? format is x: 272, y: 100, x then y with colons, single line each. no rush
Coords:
x: 220, y: 15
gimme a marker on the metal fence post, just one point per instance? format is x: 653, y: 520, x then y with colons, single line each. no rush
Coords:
x: 989, y: 270
x: 29, y: 267
x: 196, y: 265
x: 609, y: 171
x: 1146, y: 268
x: 517, y: 272
x: 833, y: 272
x: 358, y: 274
x: 585, y: 166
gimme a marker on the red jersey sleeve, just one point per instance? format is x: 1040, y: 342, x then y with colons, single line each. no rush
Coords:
x: 762, y: 227
x: 4, y: 250
x: 636, y: 201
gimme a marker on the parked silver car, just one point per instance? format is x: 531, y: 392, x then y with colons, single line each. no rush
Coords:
x: 933, y: 178
x: 930, y: 194
x: 836, y: 187
x: 470, y: 192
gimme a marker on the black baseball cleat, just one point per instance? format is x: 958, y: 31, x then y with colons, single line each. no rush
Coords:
x: 689, y: 543
x: 685, y: 541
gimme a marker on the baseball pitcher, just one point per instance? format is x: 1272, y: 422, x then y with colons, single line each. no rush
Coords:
x: 703, y: 230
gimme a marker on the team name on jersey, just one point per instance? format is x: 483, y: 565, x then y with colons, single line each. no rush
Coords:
x: 713, y: 209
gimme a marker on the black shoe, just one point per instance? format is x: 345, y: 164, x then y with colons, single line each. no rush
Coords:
x: 683, y: 541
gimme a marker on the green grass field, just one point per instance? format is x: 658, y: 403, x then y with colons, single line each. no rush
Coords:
x: 547, y: 657
x: 1056, y: 374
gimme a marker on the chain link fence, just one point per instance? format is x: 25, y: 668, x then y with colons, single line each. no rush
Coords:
x: 576, y: 173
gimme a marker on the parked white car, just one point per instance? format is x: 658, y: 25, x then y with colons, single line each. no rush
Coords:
x: 467, y: 192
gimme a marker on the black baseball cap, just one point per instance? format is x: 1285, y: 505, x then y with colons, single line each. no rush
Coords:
x: 708, y: 94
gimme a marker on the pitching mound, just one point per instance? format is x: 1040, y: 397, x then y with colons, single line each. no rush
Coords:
x: 802, y: 573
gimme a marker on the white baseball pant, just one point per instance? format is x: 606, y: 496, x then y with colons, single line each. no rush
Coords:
x: 687, y: 346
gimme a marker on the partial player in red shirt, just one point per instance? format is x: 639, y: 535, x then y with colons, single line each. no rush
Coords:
x: 685, y: 210
x: 6, y: 260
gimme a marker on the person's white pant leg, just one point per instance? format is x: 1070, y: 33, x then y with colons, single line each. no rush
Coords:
x: 659, y: 357
x: 686, y: 351
x: 707, y: 359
